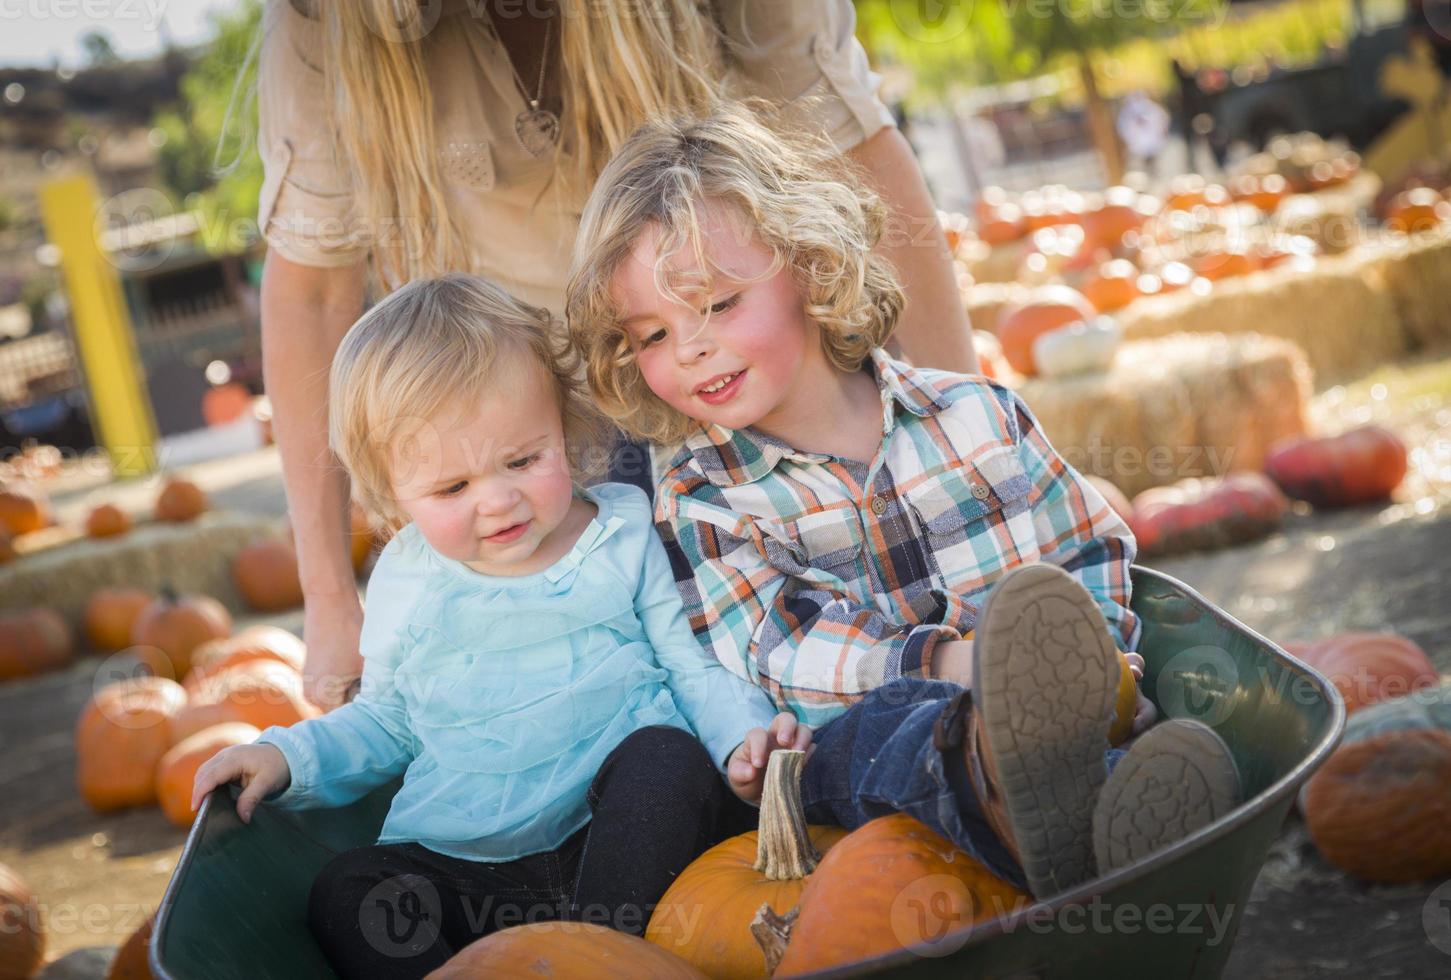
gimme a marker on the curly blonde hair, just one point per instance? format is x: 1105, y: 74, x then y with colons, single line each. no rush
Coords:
x: 801, y: 199
x: 429, y: 346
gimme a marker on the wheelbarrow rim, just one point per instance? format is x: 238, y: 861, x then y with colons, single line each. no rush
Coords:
x: 1285, y: 786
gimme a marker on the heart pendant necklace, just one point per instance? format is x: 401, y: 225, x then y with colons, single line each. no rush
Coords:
x: 538, y: 129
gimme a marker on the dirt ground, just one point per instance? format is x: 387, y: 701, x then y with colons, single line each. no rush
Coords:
x: 97, y: 877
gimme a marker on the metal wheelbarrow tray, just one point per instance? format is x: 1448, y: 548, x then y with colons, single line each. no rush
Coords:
x: 236, y: 903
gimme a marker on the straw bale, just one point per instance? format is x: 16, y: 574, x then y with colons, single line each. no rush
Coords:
x: 1331, y: 217
x: 985, y: 301
x: 1177, y: 406
x: 192, y: 557
x: 998, y: 263
x: 1338, y: 313
x: 1415, y: 273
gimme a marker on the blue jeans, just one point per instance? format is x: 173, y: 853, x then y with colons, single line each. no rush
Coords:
x: 879, y: 758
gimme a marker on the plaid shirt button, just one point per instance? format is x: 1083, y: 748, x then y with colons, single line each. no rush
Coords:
x: 879, y: 505
x: 980, y: 491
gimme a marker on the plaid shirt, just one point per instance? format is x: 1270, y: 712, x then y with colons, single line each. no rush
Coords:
x: 822, y: 578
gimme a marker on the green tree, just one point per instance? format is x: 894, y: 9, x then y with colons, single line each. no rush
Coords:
x: 98, y: 48
x: 951, y: 42
x: 209, y: 157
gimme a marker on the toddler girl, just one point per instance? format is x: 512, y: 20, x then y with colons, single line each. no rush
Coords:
x: 529, y: 668
x: 867, y: 540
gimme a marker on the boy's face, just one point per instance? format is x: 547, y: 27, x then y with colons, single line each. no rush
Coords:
x: 487, y: 481
x: 749, y: 364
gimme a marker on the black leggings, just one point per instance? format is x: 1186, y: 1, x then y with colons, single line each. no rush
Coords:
x: 401, y: 910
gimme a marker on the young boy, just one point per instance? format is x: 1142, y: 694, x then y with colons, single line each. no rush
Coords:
x: 867, y: 540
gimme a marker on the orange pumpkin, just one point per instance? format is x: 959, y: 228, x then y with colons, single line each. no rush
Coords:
x: 106, y: 521
x: 1209, y: 513
x: 179, y: 624
x: 111, y: 615
x: 1377, y: 807
x: 1127, y: 703
x: 22, y: 941
x: 1416, y: 210
x: 1046, y: 309
x: 565, y: 949
x: 180, y: 500
x: 1004, y: 225
x: 225, y: 403
x: 1226, y: 264
x: 1114, y: 286
x: 265, y: 573
x: 176, y: 772
x: 705, y: 916
x: 363, y: 537
x: 265, y: 643
x: 868, y: 896
x: 1265, y: 193
x: 1361, y: 466
x: 23, y: 509
x: 260, y: 693
x: 34, y: 641
x: 132, y: 961
x: 120, y: 737
x: 1370, y: 667
x: 1119, y: 214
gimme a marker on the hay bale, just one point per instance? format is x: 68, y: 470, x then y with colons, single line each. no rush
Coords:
x: 1331, y: 217
x: 985, y: 301
x: 194, y: 557
x: 996, y: 263
x: 1175, y: 407
x: 1415, y: 274
x: 1336, y: 312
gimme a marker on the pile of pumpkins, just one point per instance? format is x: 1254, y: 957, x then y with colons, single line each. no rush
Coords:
x: 185, y: 689
x: 1121, y: 244
x: 1377, y: 808
x: 1363, y: 465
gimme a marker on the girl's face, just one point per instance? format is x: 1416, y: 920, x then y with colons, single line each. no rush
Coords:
x: 753, y: 361
x: 487, y: 482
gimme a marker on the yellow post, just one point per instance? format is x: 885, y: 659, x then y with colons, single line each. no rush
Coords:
x: 120, y: 407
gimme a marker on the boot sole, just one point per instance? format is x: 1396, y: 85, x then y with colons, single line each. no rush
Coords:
x: 1178, y: 777
x: 1045, y: 682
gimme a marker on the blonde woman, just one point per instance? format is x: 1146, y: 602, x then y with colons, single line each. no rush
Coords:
x: 408, y: 138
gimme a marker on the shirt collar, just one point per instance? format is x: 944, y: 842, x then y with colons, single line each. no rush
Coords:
x: 732, y: 457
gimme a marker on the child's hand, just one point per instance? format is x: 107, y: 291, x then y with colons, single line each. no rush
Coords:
x: 746, y: 771
x: 262, y: 769
x: 1145, y: 714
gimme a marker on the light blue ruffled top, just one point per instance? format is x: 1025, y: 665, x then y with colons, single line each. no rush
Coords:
x: 499, y: 697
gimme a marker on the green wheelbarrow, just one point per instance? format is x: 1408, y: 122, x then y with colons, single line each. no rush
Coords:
x: 235, y: 906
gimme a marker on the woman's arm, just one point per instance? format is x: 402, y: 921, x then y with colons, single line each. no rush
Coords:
x: 305, y: 312
x: 934, y: 331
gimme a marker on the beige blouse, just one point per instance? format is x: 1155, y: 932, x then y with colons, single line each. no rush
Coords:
x: 794, y: 52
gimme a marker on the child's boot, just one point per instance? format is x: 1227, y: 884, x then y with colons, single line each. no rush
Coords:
x: 1045, y: 681
x: 1179, y: 776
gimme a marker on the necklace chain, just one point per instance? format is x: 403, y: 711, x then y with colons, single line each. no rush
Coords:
x: 543, y: 65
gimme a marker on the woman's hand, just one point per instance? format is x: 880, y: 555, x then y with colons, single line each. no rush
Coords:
x: 262, y: 769
x: 746, y: 771
x: 330, y: 627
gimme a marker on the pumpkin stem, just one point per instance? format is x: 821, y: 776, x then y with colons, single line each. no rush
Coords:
x: 783, y: 845
x: 773, y: 933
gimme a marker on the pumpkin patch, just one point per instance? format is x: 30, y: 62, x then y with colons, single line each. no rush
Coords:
x: 120, y: 737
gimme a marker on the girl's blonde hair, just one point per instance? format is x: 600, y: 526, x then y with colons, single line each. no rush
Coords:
x: 623, y: 63
x: 426, y: 348
x: 797, y: 195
